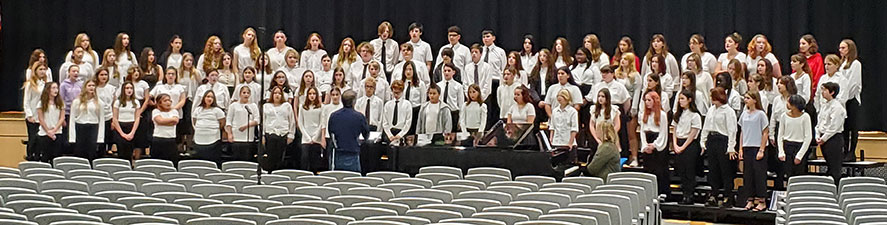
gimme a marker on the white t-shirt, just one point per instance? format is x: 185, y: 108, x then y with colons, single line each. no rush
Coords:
x: 206, y: 124
x: 243, y: 57
x: 126, y: 114
x: 688, y: 121
x: 519, y: 114
x: 163, y: 131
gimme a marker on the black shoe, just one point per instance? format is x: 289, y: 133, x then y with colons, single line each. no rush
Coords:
x: 712, y: 202
x: 686, y: 201
x: 727, y: 202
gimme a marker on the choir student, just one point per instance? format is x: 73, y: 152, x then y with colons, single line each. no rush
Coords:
x: 339, y: 81
x: 419, y: 68
x: 109, y: 63
x: 737, y: 72
x: 461, y: 54
x: 793, y: 138
x: 564, y: 82
x: 753, y: 121
x: 313, y: 141
x: 280, y: 80
x: 446, y: 57
x: 621, y: 98
x: 543, y: 73
x: 125, y: 57
x: 421, y: 49
x: 654, y: 84
x: 277, y: 54
x: 312, y: 53
x: 597, y: 57
x: 654, y: 141
x: 248, y: 81
x: 241, y: 123
x: 474, y: 114
x: 523, y: 111
x: 398, y: 115
x: 756, y: 84
x: 479, y: 73
x: 151, y: 71
x: 324, y: 77
x: 718, y: 139
x: 208, y: 121
x: 658, y: 46
x: 808, y: 48
x: 505, y: 92
x: 190, y: 77
x: 381, y: 88
x: 334, y: 104
x: 657, y: 63
x: 38, y: 56
x: 292, y: 70
x: 561, y: 55
x: 734, y: 100
x: 786, y: 88
x: 105, y: 93
x: 453, y: 92
x: 434, y: 116
x: 687, y: 122
x: 624, y: 46
x: 92, y: 58
x: 346, y: 55
x: 528, y: 56
x: 604, y: 112
x: 704, y: 80
x: 732, y: 44
x: 630, y: 79
x: 387, y: 48
x: 212, y: 84
x: 582, y: 68
x: 84, y: 68
x: 280, y: 128
x: 52, y: 120
x: 415, y: 91
x: 211, y: 58
x: 832, y: 62
x: 759, y: 48
x: 851, y: 69
x: 125, y: 123
x: 87, y: 122
x: 33, y: 89
x: 492, y: 54
x: 246, y: 53
x: 370, y: 105
x: 829, y: 130
x: 172, y: 56
x: 227, y: 73
x: 359, y: 69
x: 564, y: 122
x: 163, y: 145
x: 142, y: 95
x: 514, y: 60
x: 697, y: 45
x: 307, y: 82
x: 802, y: 76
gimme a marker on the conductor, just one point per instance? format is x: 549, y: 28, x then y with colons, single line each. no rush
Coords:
x: 345, y: 125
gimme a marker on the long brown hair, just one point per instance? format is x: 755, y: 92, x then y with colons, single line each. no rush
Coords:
x: 651, y: 51
x: 851, y: 53
x: 617, y: 55
x: 108, y: 63
x: 606, y: 108
x: 57, y: 100
x: 803, y: 60
x: 253, y: 45
x: 121, y: 50
x: 123, y: 98
x: 565, y: 54
x: 311, y: 104
x: 35, y: 56
x: 595, y: 50
x: 32, y: 80
x: 88, y: 48
x: 345, y: 57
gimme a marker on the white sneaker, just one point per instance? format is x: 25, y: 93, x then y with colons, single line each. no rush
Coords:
x: 634, y: 163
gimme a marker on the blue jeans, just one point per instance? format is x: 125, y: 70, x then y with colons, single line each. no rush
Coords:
x: 343, y: 160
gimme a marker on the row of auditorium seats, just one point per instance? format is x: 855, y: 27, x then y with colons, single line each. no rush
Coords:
x: 817, y: 200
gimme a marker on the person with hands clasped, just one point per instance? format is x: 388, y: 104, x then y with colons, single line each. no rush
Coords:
x: 753, y: 121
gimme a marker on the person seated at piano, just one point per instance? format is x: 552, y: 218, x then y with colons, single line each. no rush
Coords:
x: 398, y: 114
x: 564, y: 122
x: 474, y: 115
x: 522, y: 112
x: 434, y: 115
x: 370, y: 105
x: 606, y: 158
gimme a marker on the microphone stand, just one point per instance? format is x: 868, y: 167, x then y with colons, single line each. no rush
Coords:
x: 261, y: 147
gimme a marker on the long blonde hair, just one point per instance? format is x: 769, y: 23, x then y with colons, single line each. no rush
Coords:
x: 191, y: 71
x: 85, y: 96
x: 108, y: 63
x: 32, y: 81
x: 346, y: 57
x: 253, y: 45
x: 88, y: 49
x: 608, y: 133
x: 629, y: 71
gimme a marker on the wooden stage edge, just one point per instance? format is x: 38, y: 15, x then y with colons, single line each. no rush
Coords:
x: 13, y: 131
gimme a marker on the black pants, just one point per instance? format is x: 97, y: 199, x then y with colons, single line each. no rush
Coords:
x: 145, y: 130
x: 851, y: 132
x: 685, y: 164
x: 791, y: 152
x: 31, y: 153
x: 243, y: 151
x: 85, y: 146
x: 657, y: 164
x: 584, y: 137
x: 66, y: 146
x: 721, y: 170
x: 275, y: 149
x: 124, y: 147
x: 774, y: 164
x: 754, y: 174
x: 47, y: 148
x: 108, y: 140
x: 492, y: 105
x: 415, y: 120
x: 833, y: 152
x: 210, y: 152
x: 454, y: 119
x: 624, y: 119
x: 164, y: 148
x: 313, y: 158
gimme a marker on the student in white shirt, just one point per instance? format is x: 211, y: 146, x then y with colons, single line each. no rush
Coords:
x: 190, y: 77
x: 687, y: 122
x: 753, y: 121
x: 339, y: 82
x: 626, y: 75
x: 446, y: 56
x: 505, y: 92
x: 597, y: 57
x: 241, y: 123
x: 346, y: 56
x: 697, y: 45
x: 801, y: 76
x: 421, y: 49
x: 208, y: 121
x: 435, y: 116
x: 228, y: 75
x: 737, y: 72
x: 33, y: 88
x: 280, y: 128
x: 306, y: 83
x: 291, y: 69
x: 793, y: 138
x: 398, y: 116
x: 755, y: 83
x: 105, y: 93
x: 786, y: 88
x: 248, y: 81
x: 619, y: 97
x: 542, y: 75
x: 86, y: 120
x: 734, y: 99
x: 514, y: 60
x: 654, y: 141
x: 564, y: 82
x: 178, y: 95
x: 528, y: 56
x: 666, y: 80
x: 312, y: 53
x: 828, y: 130
x: 718, y: 139
x: 582, y: 70
x: 92, y: 58
x: 474, y: 115
x: 453, y: 93
x: 690, y: 83
x: 143, y: 96
x: 492, y: 54
x: 851, y: 69
x: 172, y: 56
x: 660, y: 47
x: 212, y: 84
x: 165, y: 119
x: 370, y: 105
x: 125, y: 57
x: 731, y: 44
x: 704, y: 82
x: 386, y: 48
x: 461, y: 54
x: 374, y: 73
x: 479, y: 72
x: 359, y: 69
x: 335, y: 103
x: 603, y: 112
x: 246, y: 53
x: 564, y: 122
x: 109, y: 63
x: 280, y: 80
x: 560, y: 51
x: 276, y: 55
x: 313, y: 141
x: 419, y: 68
x: 50, y: 113
x: 759, y: 48
x: 625, y: 46
x: 832, y: 63
x: 151, y: 71
x: 415, y: 92
x: 324, y: 77
x: 86, y: 69
x: 125, y: 123
x: 654, y: 84
x: 38, y: 56
x: 212, y: 55
x: 523, y: 111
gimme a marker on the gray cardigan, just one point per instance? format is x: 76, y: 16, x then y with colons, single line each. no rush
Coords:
x: 444, y: 120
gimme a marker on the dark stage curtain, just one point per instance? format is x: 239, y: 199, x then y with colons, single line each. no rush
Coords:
x: 52, y: 25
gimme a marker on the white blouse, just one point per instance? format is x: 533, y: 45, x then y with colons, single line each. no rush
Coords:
x: 174, y: 60
x: 819, y: 101
x: 854, y: 80
x: 127, y: 114
x: 720, y: 120
x: 474, y: 116
x: 650, y: 126
x: 279, y: 120
x: 277, y: 58
x: 708, y: 62
x: 164, y: 131
x: 240, y: 115
x: 521, y: 114
x: 310, y: 124
x: 323, y: 80
x: 48, y: 77
x: 124, y: 62
x: 106, y: 97
x: 689, y: 120
x: 174, y: 91
x: 563, y: 122
x: 253, y: 95
x: 415, y: 94
x: 795, y: 129
x: 724, y: 60
x: 50, y: 117
x: 242, y: 52
x: 376, y: 105
x: 529, y: 61
x: 191, y: 81
x: 31, y: 99
x: 419, y: 71
x: 505, y: 98
x: 803, y: 84
x: 218, y: 89
x: 311, y: 59
x: 90, y: 114
x: 206, y: 124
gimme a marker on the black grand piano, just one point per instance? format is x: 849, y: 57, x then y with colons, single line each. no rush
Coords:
x: 517, y: 147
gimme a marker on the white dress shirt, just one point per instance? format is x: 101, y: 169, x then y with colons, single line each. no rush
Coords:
x: 660, y: 143
x: 240, y: 115
x: 323, y: 80
x: 618, y: 94
x: 689, y: 120
x: 392, y: 53
x: 497, y: 59
x: 505, y: 98
x: 854, y: 80
x: 310, y: 124
x: 31, y: 99
x: 529, y: 61
x: 242, y: 54
x: 709, y: 62
x: 473, y: 116
x: 720, y: 120
x: 584, y: 74
x: 359, y: 71
x: 404, y: 117
x: 420, y: 71
x: 671, y: 66
x: 461, y: 55
x: 376, y: 106
x: 106, y: 97
x: 416, y: 95
x: 563, y: 122
x: 455, y: 96
x: 221, y: 92
x: 838, y: 79
x: 803, y: 84
x: 795, y: 130
x: 50, y: 117
x: 831, y: 120
x: 279, y: 119
x: 485, y: 73
x: 90, y: 114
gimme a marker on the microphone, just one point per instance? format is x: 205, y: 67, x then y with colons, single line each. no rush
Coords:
x: 247, y: 110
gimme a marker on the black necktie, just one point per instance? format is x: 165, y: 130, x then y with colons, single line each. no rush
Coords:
x: 487, y: 54
x: 367, y: 109
x: 476, y: 75
x: 383, y: 56
x: 364, y: 74
x: 446, y: 90
x: 407, y: 96
x: 394, y: 121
